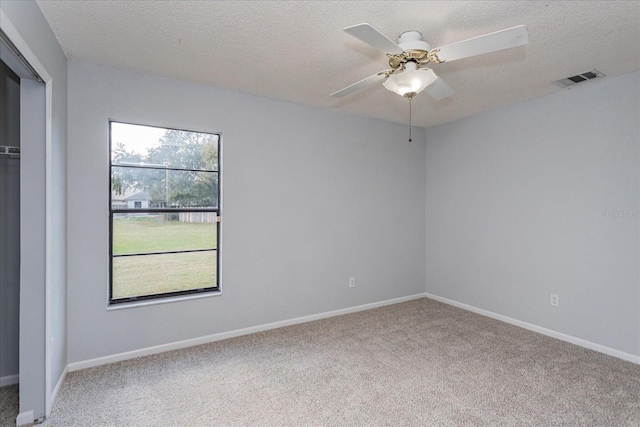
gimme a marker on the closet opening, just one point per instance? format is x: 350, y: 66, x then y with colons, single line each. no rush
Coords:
x: 9, y: 242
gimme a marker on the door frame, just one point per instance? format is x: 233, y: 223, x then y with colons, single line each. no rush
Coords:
x: 25, y: 51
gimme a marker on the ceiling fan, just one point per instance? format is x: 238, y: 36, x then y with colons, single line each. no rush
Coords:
x: 409, y: 58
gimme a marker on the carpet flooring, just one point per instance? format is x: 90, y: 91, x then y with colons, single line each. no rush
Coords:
x: 418, y: 363
x: 8, y: 405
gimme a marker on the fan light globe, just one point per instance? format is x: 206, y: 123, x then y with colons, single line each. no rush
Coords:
x: 410, y: 80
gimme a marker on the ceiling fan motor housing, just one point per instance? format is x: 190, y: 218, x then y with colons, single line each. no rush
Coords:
x: 412, y: 40
x: 415, y: 49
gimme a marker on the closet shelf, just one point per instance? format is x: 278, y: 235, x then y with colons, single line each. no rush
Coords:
x: 7, y: 150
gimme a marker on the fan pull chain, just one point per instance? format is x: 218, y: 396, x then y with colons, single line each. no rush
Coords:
x: 410, y: 140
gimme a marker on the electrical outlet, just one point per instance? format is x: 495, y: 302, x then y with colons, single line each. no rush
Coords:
x: 352, y: 282
x: 555, y: 300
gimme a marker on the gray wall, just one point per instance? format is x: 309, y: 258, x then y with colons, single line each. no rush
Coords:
x: 28, y: 20
x: 9, y: 224
x: 311, y: 198
x: 516, y: 210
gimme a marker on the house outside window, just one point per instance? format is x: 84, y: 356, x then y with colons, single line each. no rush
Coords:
x: 164, y: 212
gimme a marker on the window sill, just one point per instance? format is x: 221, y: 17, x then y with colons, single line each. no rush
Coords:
x: 158, y: 301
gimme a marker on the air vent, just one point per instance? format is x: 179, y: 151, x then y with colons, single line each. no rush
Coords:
x: 582, y: 77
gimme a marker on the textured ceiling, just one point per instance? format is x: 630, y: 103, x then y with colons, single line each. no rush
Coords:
x: 297, y: 51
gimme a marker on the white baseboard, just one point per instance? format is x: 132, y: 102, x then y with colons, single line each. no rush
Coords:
x: 9, y: 380
x: 56, y: 389
x: 544, y: 331
x: 24, y: 418
x: 75, y: 366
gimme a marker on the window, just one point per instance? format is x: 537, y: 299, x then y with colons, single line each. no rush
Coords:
x: 164, y: 212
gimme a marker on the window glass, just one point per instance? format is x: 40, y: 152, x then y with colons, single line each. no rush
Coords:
x: 164, y: 212
x: 167, y: 187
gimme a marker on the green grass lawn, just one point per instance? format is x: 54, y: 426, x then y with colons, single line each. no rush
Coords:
x: 144, y: 234
x: 153, y: 274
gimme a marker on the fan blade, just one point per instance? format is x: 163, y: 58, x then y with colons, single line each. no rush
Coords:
x: 361, y: 84
x: 439, y: 89
x: 503, y: 39
x: 373, y: 37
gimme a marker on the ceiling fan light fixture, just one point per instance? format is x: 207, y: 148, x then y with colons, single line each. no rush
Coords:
x: 410, y: 80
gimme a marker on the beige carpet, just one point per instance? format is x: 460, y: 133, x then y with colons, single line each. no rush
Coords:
x: 8, y: 405
x: 419, y: 363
